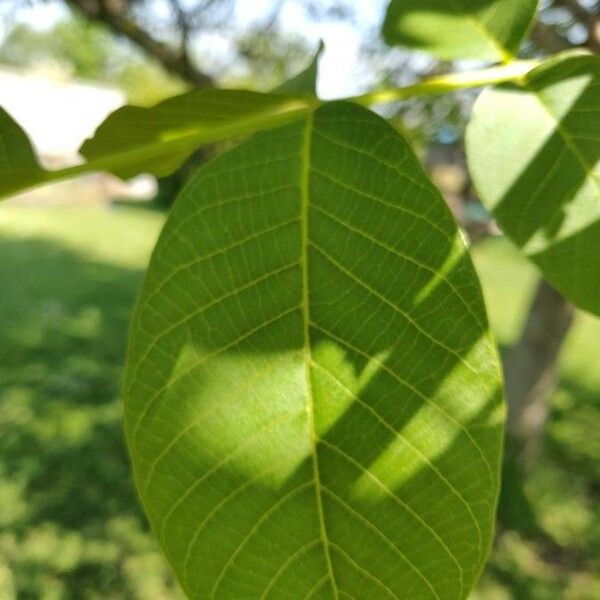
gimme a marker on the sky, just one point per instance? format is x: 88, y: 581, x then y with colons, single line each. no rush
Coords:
x: 340, y: 68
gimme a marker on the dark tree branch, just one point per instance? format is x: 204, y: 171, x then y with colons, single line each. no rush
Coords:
x: 184, y: 27
x: 114, y: 15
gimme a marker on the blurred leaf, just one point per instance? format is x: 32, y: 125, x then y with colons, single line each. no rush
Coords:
x: 452, y: 29
x: 534, y: 152
x: 18, y: 165
x: 157, y: 140
x: 313, y: 402
x: 306, y: 81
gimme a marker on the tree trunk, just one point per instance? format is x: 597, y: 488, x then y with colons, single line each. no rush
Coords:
x: 531, y: 370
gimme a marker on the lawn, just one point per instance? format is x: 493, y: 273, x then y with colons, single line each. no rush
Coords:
x: 70, y: 526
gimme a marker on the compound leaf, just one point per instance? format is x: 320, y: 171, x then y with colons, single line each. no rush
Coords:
x: 452, y: 29
x: 534, y: 152
x: 154, y: 140
x: 313, y: 403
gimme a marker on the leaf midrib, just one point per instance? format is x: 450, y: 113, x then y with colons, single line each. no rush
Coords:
x: 315, y: 440
x: 304, y: 206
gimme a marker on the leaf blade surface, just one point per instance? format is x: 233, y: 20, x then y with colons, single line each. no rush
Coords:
x: 313, y: 404
x: 454, y: 29
x: 540, y: 176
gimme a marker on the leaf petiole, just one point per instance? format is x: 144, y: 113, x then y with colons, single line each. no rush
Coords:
x: 442, y: 84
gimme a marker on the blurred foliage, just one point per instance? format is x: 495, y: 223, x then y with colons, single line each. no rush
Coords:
x: 267, y: 59
x: 85, y: 50
x: 262, y: 58
x: 74, y: 44
x: 70, y: 523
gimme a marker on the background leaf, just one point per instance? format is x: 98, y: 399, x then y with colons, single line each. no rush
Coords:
x: 18, y: 165
x: 154, y: 140
x: 534, y: 153
x: 306, y: 81
x: 451, y: 29
x: 157, y: 140
x: 313, y: 401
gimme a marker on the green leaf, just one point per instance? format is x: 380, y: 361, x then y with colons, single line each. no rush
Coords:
x: 306, y: 81
x: 313, y: 402
x: 453, y: 29
x: 18, y: 165
x: 157, y: 140
x: 534, y: 153
x: 154, y: 140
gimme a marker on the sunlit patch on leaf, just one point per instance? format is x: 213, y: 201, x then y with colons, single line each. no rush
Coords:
x: 540, y: 174
x: 452, y: 29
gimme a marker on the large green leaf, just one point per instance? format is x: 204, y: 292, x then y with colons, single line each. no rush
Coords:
x: 313, y: 402
x: 451, y: 29
x: 534, y: 153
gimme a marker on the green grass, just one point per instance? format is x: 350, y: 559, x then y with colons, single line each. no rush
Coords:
x: 70, y: 525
